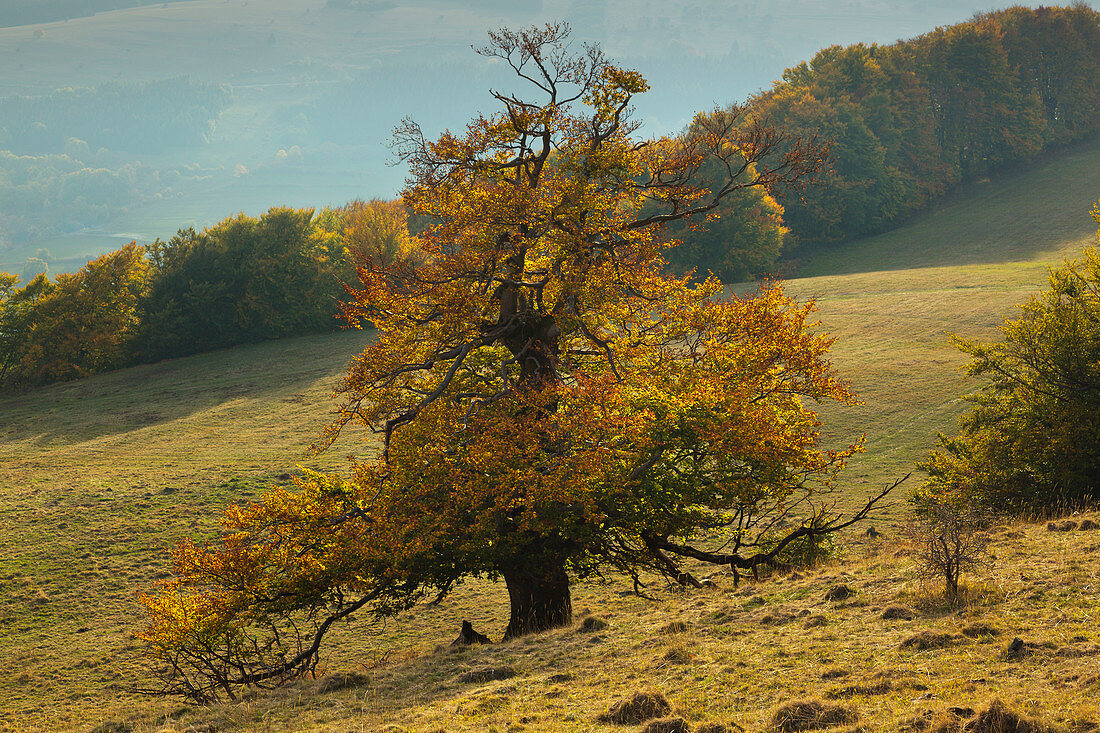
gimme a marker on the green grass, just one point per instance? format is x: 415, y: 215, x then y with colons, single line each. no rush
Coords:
x: 99, y: 477
x: 893, y: 300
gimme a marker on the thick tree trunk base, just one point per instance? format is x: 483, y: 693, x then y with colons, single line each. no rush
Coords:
x: 540, y: 600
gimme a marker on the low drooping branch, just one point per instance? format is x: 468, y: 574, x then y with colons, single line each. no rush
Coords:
x: 817, y: 526
x: 203, y: 671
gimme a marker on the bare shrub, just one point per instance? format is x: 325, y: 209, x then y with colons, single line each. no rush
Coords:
x: 949, y: 538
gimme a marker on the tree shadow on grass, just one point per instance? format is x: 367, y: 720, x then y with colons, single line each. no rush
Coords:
x: 298, y: 372
x: 1037, y: 211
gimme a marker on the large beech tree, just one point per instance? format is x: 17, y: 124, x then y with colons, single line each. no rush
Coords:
x: 548, y: 401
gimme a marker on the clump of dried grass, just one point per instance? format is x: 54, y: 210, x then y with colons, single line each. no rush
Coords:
x: 994, y: 719
x: 929, y: 640
x: 638, y: 708
x: 810, y: 715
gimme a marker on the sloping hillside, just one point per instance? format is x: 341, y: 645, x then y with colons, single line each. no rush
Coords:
x: 99, y: 477
x: 892, y: 300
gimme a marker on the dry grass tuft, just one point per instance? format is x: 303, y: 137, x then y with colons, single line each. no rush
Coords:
x: 839, y: 593
x: 667, y: 725
x: 487, y: 674
x: 638, y: 708
x: 113, y: 726
x: 994, y: 719
x: 340, y: 681
x: 977, y: 630
x: 675, y: 627
x: 929, y: 640
x: 902, y: 613
x: 810, y: 715
x: 677, y: 655
x: 591, y: 624
x: 843, y: 693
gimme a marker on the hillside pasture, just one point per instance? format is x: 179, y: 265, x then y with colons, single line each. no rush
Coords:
x: 98, y: 478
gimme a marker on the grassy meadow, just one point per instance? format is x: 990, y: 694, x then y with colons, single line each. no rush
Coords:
x: 99, y: 477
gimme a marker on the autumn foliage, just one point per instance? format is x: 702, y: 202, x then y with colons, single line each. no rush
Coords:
x: 240, y: 280
x: 914, y: 119
x: 549, y: 401
x: 74, y: 326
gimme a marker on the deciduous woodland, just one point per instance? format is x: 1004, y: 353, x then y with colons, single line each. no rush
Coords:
x: 913, y: 120
x: 549, y: 401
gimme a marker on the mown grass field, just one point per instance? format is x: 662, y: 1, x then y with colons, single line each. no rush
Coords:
x: 99, y: 477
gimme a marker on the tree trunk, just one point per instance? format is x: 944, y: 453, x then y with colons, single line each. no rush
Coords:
x: 951, y: 575
x: 538, y: 586
x: 539, y: 598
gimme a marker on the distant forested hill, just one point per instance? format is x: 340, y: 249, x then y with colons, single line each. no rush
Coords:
x: 25, y: 12
x: 139, y: 117
x: 67, y: 158
x: 915, y: 119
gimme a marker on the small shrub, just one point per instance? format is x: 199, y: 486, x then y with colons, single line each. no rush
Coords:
x: 949, y: 538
